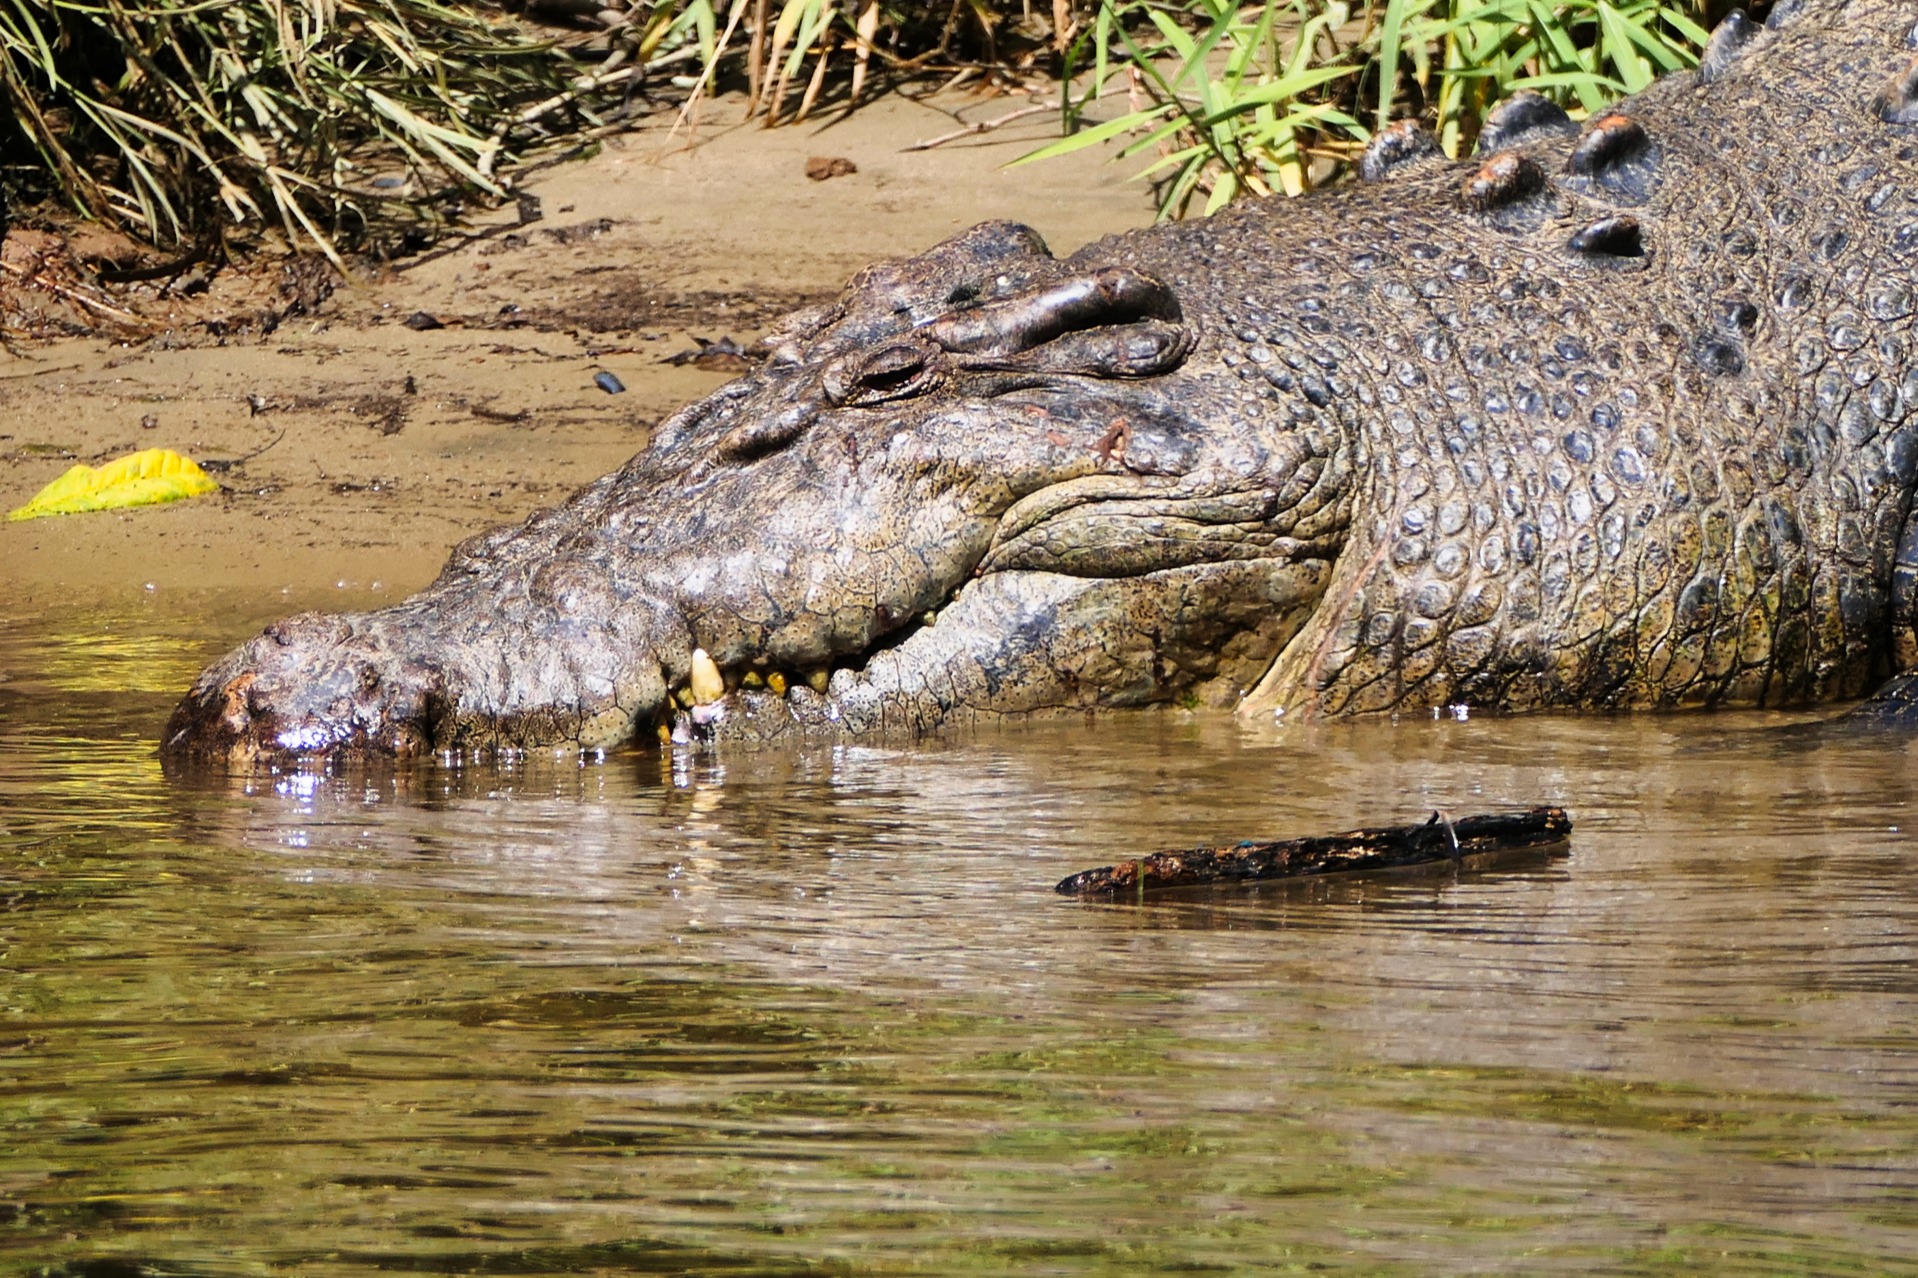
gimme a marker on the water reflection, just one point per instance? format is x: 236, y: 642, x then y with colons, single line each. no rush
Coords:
x: 820, y: 1010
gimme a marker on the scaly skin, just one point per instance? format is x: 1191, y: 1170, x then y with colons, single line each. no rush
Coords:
x: 1614, y: 416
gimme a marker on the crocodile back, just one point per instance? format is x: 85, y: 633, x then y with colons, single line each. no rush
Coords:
x: 1630, y: 407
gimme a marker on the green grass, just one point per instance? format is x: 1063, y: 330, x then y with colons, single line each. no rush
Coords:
x: 317, y: 119
x: 1238, y: 99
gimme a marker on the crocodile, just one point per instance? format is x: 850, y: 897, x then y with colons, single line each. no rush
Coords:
x: 1611, y: 415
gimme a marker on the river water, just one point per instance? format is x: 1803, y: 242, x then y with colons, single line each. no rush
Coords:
x: 820, y: 1012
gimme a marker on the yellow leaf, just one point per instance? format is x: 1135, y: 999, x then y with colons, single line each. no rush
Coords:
x: 145, y: 478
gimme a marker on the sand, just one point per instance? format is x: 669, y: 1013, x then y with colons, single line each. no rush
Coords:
x: 372, y: 447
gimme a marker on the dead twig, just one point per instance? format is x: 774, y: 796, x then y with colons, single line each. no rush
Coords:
x: 489, y: 157
x: 705, y: 80
x: 756, y: 58
x: 71, y: 294
x: 826, y: 46
x: 216, y: 465
x: 982, y: 126
x: 1393, y: 847
x: 866, y: 26
x: 39, y: 372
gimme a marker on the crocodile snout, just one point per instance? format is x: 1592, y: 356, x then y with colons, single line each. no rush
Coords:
x: 309, y: 686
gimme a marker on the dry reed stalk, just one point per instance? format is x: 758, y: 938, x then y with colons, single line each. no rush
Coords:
x: 866, y: 28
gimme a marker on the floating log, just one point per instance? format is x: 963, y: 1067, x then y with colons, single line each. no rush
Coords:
x: 1392, y: 847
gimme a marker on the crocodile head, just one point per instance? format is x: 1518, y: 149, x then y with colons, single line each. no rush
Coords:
x: 984, y: 481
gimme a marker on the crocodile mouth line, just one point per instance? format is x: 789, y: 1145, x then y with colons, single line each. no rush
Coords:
x: 694, y: 690
x: 704, y: 696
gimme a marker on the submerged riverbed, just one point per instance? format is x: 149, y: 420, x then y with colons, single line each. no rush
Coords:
x: 820, y: 1012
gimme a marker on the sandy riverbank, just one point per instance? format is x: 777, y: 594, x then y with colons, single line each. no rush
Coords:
x: 394, y: 442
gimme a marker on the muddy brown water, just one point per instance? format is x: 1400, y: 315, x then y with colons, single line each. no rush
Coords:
x: 818, y: 1011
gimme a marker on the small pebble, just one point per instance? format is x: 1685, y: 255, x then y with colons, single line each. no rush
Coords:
x: 420, y: 322
x: 822, y: 167
x: 608, y: 383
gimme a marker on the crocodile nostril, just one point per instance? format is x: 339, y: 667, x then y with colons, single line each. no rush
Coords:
x: 238, y: 704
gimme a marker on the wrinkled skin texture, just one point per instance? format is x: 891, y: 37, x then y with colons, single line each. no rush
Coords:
x: 1613, y: 416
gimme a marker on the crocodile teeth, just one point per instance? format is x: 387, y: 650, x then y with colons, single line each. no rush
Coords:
x: 707, y: 685
x: 820, y: 679
x: 777, y: 683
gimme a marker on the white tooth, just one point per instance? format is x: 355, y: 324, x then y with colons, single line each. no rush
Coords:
x: 707, y: 685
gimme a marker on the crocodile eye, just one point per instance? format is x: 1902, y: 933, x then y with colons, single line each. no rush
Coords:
x: 892, y: 370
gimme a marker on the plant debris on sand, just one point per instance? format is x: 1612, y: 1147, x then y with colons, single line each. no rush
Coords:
x: 338, y: 125
x: 65, y: 284
x: 318, y: 119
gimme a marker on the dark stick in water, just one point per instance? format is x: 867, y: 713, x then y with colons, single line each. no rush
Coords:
x: 1400, y: 845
